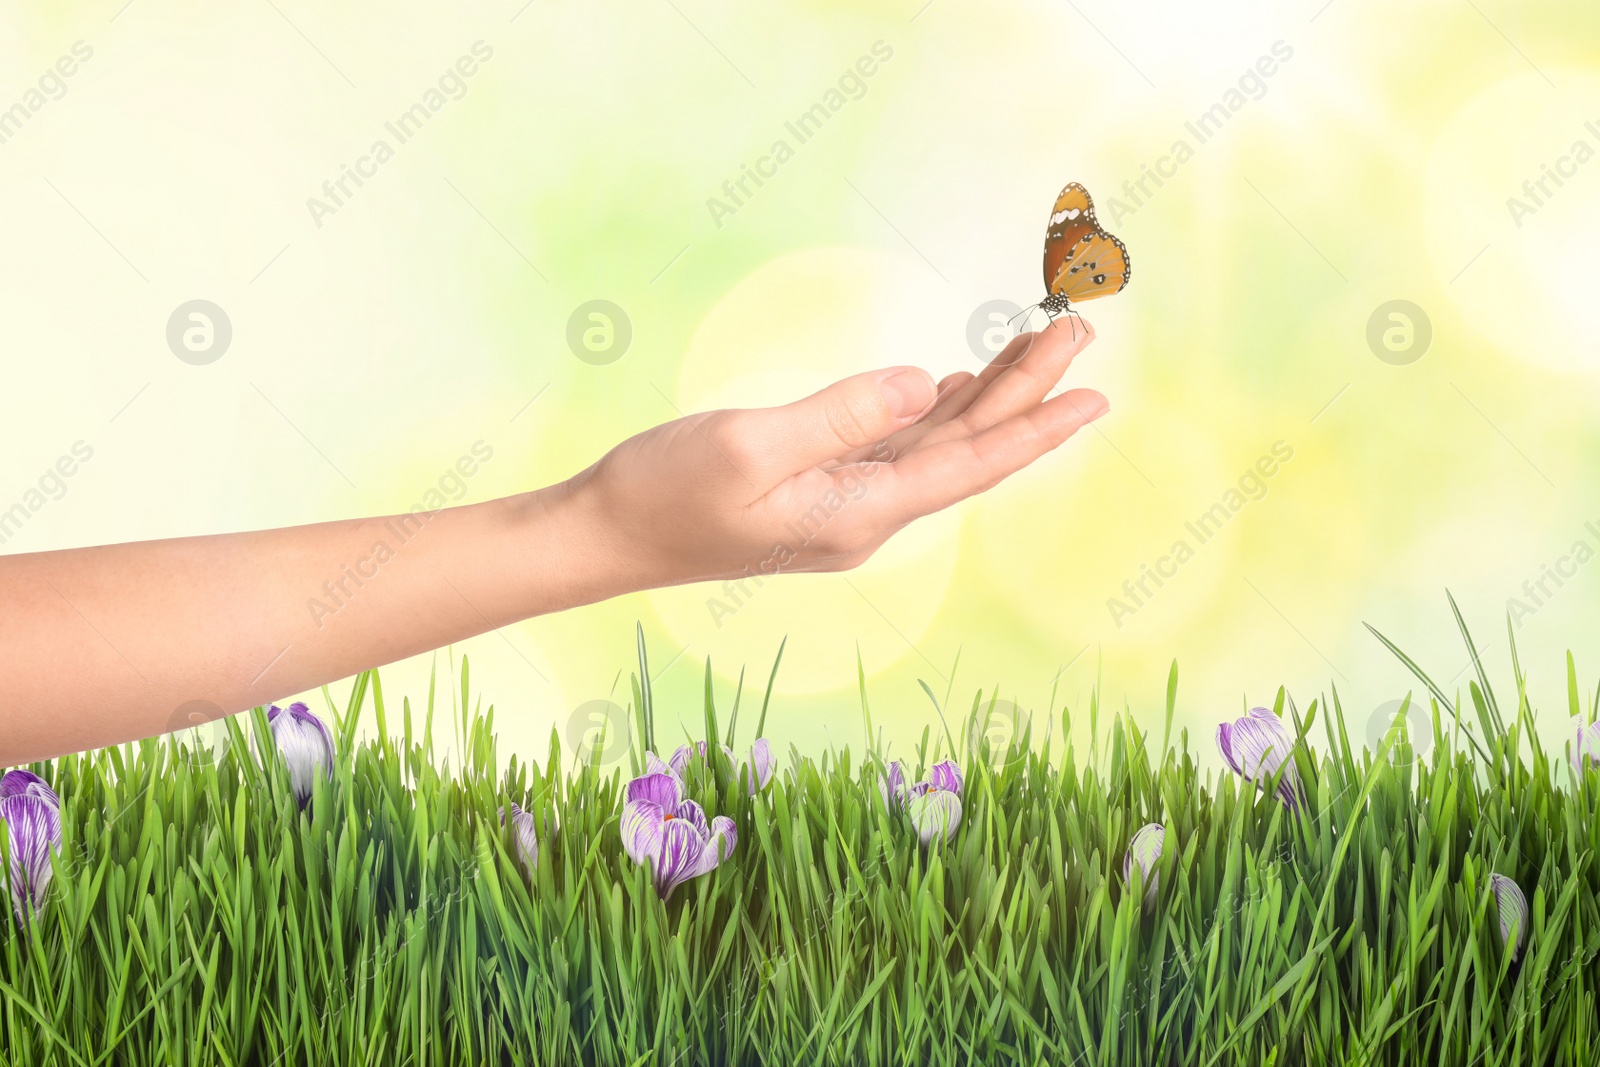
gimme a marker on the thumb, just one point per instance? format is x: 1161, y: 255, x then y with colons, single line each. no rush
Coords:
x: 850, y: 414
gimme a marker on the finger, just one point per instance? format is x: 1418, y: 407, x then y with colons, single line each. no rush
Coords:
x: 857, y: 413
x: 936, y: 477
x: 1031, y: 377
x: 962, y: 397
x: 900, y: 440
x: 950, y: 383
x: 1034, y: 369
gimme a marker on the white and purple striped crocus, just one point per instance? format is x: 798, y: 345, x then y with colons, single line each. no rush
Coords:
x: 1586, y: 746
x: 1145, y: 850
x: 660, y: 826
x: 32, y: 814
x: 933, y: 806
x: 527, y: 835
x: 1512, y: 908
x: 21, y: 783
x: 1256, y: 747
x: 756, y: 768
x: 305, y: 742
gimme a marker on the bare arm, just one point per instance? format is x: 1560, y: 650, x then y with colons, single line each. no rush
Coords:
x: 107, y: 644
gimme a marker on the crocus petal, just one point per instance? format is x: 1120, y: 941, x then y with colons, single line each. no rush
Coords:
x: 1145, y: 850
x: 892, y: 784
x: 641, y: 827
x: 1585, y: 748
x: 1513, y: 909
x: 19, y: 783
x: 654, y: 764
x: 306, y: 718
x: 527, y: 835
x: 694, y: 815
x: 305, y: 742
x: 946, y: 775
x: 725, y: 834
x: 677, y: 858
x: 33, y: 826
x: 1225, y: 746
x: 760, y: 765
x: 720, y: 845
x: 663, y: 790
x: 936, y: 813
x: 1256, y: 746
x: 681, y: 758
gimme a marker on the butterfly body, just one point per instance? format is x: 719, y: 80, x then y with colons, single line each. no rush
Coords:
x: 1081, y: 260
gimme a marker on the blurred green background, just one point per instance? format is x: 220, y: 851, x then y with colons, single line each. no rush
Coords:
x: 377, y: 337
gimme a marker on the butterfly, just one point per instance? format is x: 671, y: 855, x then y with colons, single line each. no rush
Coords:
x: 1081, y: 261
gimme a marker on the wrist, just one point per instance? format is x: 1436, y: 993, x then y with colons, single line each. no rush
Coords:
x: 572, y: 550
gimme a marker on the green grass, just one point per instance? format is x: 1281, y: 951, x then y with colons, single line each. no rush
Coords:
x: 198, y: 916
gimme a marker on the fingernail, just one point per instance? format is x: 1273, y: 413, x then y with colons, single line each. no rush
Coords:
x: 1098, y: 408
x: 907, y: 393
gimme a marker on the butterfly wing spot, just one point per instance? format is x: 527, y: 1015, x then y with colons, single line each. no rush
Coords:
x: 1096, y: 266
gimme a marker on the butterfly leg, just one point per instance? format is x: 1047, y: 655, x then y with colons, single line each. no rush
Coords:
x: 1077, y: 319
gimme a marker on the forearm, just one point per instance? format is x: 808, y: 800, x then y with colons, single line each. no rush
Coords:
x: 107, y: 643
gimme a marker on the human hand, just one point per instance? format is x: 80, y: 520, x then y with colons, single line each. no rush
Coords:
x: 820, y: 484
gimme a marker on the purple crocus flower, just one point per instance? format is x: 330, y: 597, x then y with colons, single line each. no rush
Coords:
x: 1586, y: 747
x: 31, y: 811
x: 1512, y: 907
x: 1256, y: 746
x: 933, y: 806
x: 934, y: 812
x: 306, y: 742
x: 1145, y: 850
x: 659, y: 825
x: 892, y: 784
x: 522, y: 825
x: 756, y: 768
x: 25, y: 783
x: 947, y: 776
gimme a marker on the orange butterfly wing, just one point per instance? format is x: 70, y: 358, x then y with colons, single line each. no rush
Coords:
x: 1070, y: 220
x: 1097, y: 265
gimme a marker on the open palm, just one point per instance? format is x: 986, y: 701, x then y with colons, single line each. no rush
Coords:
x: 820, y: 484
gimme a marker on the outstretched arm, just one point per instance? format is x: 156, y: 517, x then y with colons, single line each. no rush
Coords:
x: 103, y: 645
